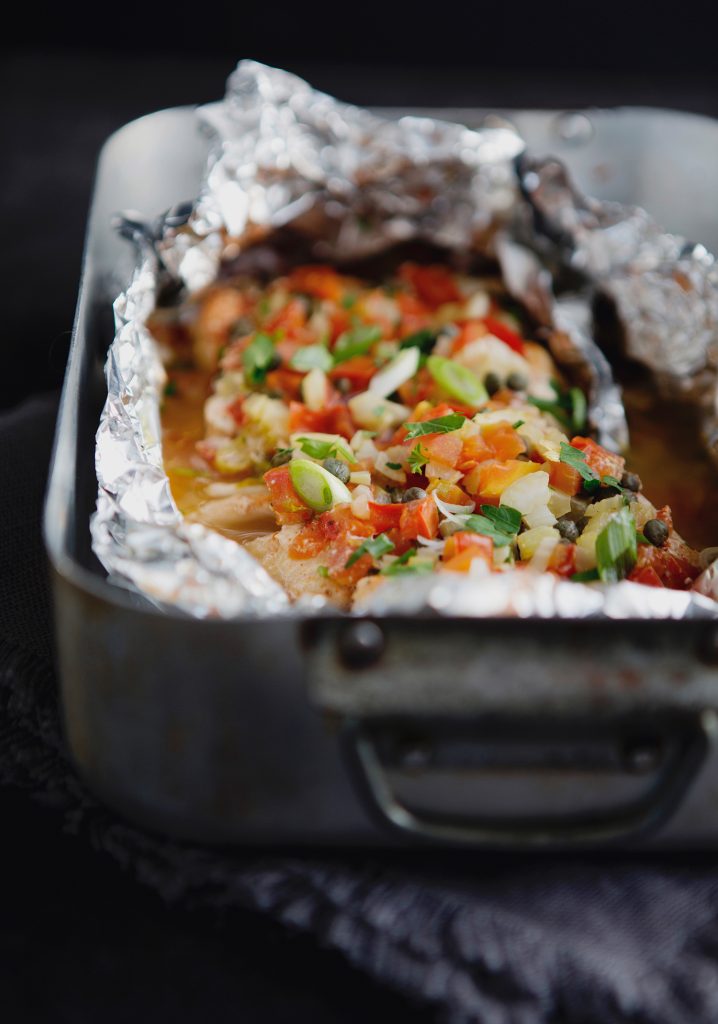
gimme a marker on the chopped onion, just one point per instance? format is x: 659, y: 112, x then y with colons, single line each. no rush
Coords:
x: 396, y: 372
x: 707, y: 557
x: 432, y: 545
x: 315, y: 389
x: 456, y: 513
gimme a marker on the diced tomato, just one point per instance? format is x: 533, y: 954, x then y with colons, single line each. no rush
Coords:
x: 434, y: 285
x: 503, y: 441
x: 475, y: 450
x: 334, y: 419
x: 646, y: 575
x: 599, y: 459
x: 236, y: 410
x: 287, y: 383
x: 666, y: 516
x: 384, y: 517
x: 339, y: 321
x: 490, y: 479
x: 563, y: 560
x: 291, y: 317
x: 675, y: 564
x: 419, y: 519
x: 359, y: 370
x: 419, y: 388
x: 320, y: 281
x: 465, y: 559
x: 469, y: 331
x: 414, y: 314
x: 287, y: 505
x: 444, y: 449
x: 505, y: 334
x: 465, y: 539
x: 329, y: 532
x: 563, y: 477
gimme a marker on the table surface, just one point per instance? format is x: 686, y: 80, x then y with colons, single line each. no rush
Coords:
x: 78, y: 940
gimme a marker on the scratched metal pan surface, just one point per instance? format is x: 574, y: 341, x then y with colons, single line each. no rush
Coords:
x: 484, y: 733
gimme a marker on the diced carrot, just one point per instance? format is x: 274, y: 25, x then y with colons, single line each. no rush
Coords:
x: 563, y: 477
x: 599, y: 459
x: 503, y: 441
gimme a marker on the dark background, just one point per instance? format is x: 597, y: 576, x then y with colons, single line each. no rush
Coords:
x: 78, y: 940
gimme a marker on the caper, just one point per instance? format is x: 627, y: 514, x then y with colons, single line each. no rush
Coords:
x: 414, y: 494
x: 338, y: 469
x: 275, y: 361
x: 578, y: 508
x: 631, y: 481
x: 517, y: 382
x: 449, y: 527
x: 492, y: 383
x: 567, y: 528
x: 344, y: 385
x: 656, y: 532
x: 281, y: 457
x: 383, y: 498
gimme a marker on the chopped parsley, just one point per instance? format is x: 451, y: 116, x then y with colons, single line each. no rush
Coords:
x: 349, y: 300
x: 517, y: 424
x: 417, y: 460
x: 393, y: 465
x: 400, y: 566
x: 424, y: 340
x: 312, y: 357
x: 170, y: 388
x: 499, y: 524
x: 323, y: 571
x: 576, y: 459
x: 589, y: 576
x: 442, y: 425
x: 568, y: 407
x: 356, y: 342
x: 374, y: 546
x: 323, y: 449
x: 258, y: 358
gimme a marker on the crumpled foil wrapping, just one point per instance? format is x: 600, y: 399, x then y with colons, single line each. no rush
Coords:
x: 355, y: 184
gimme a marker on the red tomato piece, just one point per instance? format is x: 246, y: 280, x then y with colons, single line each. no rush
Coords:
x: 563, y: 477
x: 434, y: 285
x: 419, y: 519
x: 236, y: 410
x: 465, y: 539
x: 287, y: 383
x: 563, y: 560
x: 334, y: 419
x: 287, y: 505
x: 475, y: 450
x: 503, y: 440
x: 289, y: 318
x: 675, y: 564
x: 445, y: 449
x: 469, y: 331
x: 599, y: 459
x: 359, y: 370
x: 414, y: 314
x: 385, y: 517
x: 646, y: 575
x: 505, y: 334
x: 320, y: 281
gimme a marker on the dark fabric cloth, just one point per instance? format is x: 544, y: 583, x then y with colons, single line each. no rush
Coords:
x: 468, y: 937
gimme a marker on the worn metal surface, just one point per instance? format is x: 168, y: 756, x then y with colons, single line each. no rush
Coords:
x: 480, y: 732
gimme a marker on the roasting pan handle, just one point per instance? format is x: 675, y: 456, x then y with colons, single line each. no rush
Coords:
x: 630, y: 821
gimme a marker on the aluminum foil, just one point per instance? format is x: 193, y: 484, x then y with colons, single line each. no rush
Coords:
x: 353, y: 184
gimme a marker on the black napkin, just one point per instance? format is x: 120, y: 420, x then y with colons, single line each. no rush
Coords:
x: 496, y: 940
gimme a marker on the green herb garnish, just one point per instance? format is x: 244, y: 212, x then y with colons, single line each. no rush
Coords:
x: 356, y: 342
x: 442, y: 425
x: 317, y: 449
x: 374, y: 546
x: 568, y: 407
x: 258, y: 358
x: 348, y: 301
x: 586, y: 577
x: 323, y: 571
x: 424, y: 340
x: 616, y: 547
x: 170, y: 388
x: 417, y: 460
x: 499, y: 524
x: 517, y: 424
x: 393, y: 465
x: 312, y: 357
x: 576, y: 459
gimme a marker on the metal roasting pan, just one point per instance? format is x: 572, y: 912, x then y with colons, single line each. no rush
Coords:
x: 509, y: 733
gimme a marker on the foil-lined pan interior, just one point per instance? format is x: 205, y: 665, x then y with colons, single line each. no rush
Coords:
x: 352, y: 185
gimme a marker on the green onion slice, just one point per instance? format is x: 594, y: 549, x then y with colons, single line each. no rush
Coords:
x: 374, y: 546
x: 616, y: 552
x: 457, y: 381
x: 320, y: 489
